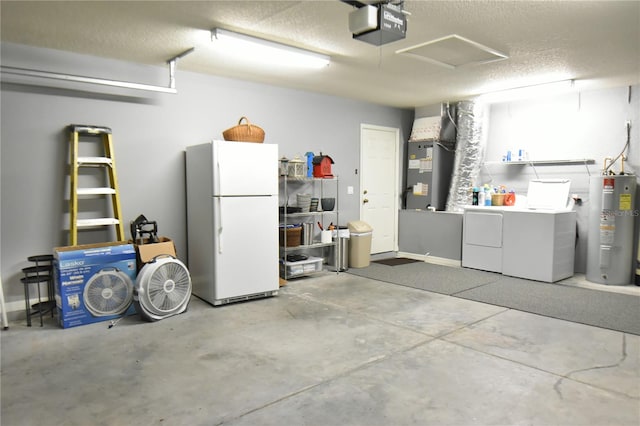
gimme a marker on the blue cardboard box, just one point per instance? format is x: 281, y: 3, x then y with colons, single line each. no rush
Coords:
x: 94, y: 282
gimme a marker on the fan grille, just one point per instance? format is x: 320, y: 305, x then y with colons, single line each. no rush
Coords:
x: 168, y: 288
x: 108, y: 293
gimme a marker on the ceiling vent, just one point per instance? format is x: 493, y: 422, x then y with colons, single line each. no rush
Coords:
x: 453, y: 51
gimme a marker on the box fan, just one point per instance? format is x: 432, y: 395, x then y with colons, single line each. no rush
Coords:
x: 163, y: 289
x: 108, y: 292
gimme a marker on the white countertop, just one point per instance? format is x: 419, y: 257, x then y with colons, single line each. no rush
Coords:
x: 518, y: 209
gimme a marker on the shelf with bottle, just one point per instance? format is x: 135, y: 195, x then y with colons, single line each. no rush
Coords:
x: 534, y: 163
x: 583, y: 161
x: 314, y: 203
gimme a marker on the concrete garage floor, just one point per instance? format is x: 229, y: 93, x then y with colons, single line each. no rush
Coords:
x: 329, y: 350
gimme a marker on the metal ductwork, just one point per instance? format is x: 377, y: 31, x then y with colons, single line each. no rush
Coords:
x: 469, y: 153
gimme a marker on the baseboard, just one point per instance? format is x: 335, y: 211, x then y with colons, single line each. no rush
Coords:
x: 18, y: 306
x: 431, y: 259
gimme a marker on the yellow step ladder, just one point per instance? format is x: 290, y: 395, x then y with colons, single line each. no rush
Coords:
x: 106, y: 161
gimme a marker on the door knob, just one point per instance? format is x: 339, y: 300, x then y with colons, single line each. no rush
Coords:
x: 365, y: 201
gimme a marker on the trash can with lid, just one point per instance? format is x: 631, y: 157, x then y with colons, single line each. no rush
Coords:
x: 339, y: 252
x: 360, y: 244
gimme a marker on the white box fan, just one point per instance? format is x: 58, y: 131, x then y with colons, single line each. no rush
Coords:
x: 163, y: 289
x: 108, y: 292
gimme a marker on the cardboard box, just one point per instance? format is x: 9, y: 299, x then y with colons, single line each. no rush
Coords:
x: 146, y: 252
x: 94, y: 282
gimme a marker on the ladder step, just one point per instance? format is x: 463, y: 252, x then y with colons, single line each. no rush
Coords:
x: 95, y: 161
x: 96, y: 191
x: 103, y: 221
x: 89, y: 130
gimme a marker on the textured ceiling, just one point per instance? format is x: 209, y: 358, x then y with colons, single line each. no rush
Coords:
x: 594, y: 42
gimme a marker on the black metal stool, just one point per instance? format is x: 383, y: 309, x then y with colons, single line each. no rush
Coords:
x: 41, y: 272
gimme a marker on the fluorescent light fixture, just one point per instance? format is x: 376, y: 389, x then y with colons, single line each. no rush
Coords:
x: 266, y: 52
x: 528, y: 92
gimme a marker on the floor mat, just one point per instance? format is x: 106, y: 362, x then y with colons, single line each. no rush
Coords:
x: 395, y: 261
x: 427, y: 276
x: 614, y: 311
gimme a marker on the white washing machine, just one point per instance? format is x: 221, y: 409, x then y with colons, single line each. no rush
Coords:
x: 534, y: 242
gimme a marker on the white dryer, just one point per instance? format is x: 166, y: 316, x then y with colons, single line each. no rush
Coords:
x: 535, y: 241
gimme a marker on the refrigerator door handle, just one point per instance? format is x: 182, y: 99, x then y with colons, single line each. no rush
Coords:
x: 219, y: 227
x: 218, y: 170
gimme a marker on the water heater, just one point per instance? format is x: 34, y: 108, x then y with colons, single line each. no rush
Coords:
x: 612, y: 215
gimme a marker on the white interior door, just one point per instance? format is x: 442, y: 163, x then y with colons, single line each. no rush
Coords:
x: 379, y: 153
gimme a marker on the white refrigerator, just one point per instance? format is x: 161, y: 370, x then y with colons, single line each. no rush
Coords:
x: 232, y: 220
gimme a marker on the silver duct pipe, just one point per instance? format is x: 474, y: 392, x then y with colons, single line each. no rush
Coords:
x: 469, y: 153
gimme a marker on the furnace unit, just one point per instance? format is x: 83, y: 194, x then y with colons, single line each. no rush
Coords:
x: 429, y: 170
x: 430, y: 160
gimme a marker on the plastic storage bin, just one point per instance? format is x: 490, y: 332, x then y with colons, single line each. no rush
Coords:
x: 301, y: 268
x: 360, y: 244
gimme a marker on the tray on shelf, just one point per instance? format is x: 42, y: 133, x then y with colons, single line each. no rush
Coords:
x: 290, y: 209
x: 308, y: 246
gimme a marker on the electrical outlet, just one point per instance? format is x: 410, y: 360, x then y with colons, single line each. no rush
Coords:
x: 350, y: 190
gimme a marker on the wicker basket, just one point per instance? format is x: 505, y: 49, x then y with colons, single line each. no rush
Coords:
x: 244, y: 132
x: 293, y: 236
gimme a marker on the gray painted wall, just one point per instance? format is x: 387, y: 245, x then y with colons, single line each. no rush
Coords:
x: 150, y: 133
